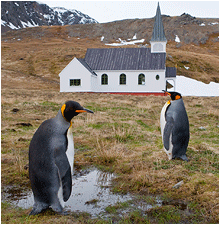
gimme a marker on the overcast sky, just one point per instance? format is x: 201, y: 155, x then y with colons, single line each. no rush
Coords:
x: 108, y: 11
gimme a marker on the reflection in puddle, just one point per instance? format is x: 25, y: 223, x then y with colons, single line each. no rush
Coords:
x: 90, y: 193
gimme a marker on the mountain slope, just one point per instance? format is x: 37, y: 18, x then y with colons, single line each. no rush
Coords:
x: 22, y: 14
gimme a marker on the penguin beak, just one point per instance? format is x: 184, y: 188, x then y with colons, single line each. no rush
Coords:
x: 166, y: 92
x: 84, y: 110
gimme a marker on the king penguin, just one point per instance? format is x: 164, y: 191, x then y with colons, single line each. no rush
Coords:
x: 51, y: 155
x: 174, y: 125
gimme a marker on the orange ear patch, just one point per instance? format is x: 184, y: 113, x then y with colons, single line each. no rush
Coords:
x: 62, y: 109
x: 177, y: 97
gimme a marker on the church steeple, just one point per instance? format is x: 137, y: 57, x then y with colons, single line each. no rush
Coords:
x: 158, y: 40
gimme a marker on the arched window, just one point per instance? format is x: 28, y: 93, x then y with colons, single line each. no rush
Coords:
x: 141, y: 79
x: 104, y: 79
x: 157, y: 77
x: 122, y: 78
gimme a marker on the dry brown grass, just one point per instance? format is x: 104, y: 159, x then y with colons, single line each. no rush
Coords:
x: 201, y: 63
x: 115, y: 139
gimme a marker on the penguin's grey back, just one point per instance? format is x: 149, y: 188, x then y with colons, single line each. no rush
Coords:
x: 180, y: 131
x: 50, y: 135
x: 178, y: 112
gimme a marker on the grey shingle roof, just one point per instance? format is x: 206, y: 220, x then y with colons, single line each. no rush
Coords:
x: 170, y: 72
x: 124, y: 59
x: 158, y: 31
x: 82, y: 61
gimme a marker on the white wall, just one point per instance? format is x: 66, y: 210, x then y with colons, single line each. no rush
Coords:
x: 92, y: 83
x: 151, y: 84
x: 75, y: 70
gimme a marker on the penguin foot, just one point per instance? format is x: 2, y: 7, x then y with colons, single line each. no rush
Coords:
x: 35, y: 212
x: 182, y: 157
x: 57, y: 208
x: 64, y: 213
x: 38, y: 208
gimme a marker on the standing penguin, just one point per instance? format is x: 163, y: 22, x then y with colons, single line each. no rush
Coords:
x: 174, y: 125
x: 51, y: 154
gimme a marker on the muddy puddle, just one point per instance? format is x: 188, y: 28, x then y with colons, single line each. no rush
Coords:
x: 91, y: 193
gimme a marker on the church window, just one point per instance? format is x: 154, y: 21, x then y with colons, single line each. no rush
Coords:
x: 104, y: 79
x: 157, y: 77
x: 75, y: 82
x: 122, y: 78
x: 141, y: 79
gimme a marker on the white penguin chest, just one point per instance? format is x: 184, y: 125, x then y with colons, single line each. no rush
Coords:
x: 162, y: 117
x: 162, y: 126
x: 70, y: 148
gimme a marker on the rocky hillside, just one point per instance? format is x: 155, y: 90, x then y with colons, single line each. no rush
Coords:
x: 181, y: 29
x: 188, y: 29
x: 22, y: 14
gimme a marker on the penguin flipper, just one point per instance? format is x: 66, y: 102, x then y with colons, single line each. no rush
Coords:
x: 67, y: 185
x: 63, y: 165
x: 167, y: 132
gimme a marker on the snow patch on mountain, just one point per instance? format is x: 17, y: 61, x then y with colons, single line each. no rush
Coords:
x: 177, y: 39
x: 22, y: 14
x: 123, y: 42
x: 191, y: 87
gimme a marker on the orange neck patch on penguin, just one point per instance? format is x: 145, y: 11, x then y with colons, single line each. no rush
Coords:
x: 62, y: 111
x: 177, y: 97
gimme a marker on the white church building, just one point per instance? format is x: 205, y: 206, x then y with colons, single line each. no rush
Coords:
x: 122, y: 70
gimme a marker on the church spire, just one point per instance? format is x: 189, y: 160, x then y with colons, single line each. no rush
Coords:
x: 158, y: 40
x: 158, y: 32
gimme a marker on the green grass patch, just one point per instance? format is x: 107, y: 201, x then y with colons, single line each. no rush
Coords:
x: 147, y: 127
x: 166, y: 214
x: 206, y: 161
x: 135, y: 217
x: 51, y: 105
